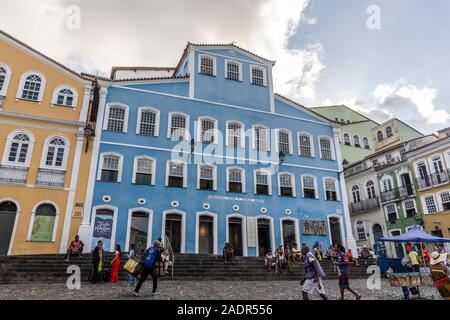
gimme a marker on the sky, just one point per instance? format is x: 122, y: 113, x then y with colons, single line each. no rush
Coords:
x: 383, y: 58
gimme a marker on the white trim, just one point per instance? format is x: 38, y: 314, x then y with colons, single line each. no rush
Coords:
x: 269, y: 179
x: 311, y: 141
x: 4, y: 89
x: 294, y: 189
x: 136, y: 158
x: 333, y: 155
x: 244, y: 231
x: 191, y: 62
x: 203, y: 55
x: 125, y: 120
x: 16, y: 221
x: 359, y: 140
x: 215, y: 233
x: 242, y: 177
x: 55, y: 224
x: 39, y: 118
x: 341, y: 225
x: 169, y: 122
x: 22, y: 83
x: 239, y: 66
x: 424, y: 205
x: 260, y: 61
x: 115, y: 211
x: 157, y: 120
x: 386, y: 213
x: 56, y: 93
x: 199, y: 129
x: 214, y: 168
x: 45, y: 148
x: 85, y: 103
x: 272, y: 232
x: 184, y: 163
x: 149, y: 228
x: 268, y: 137
x: 277, y: 140
x: 227, y: 123
x: 355, y: 225
x: 296, y: 226
x: 383, y: 230
x: 404, y: 207
x: 440, y: 205
x: 120, y: 165
x: 316, y: 189
x: 8, y: 144
x: 183, y: 226
x: 264, y: 70
x: 336, y: 186
x: 368, y: 143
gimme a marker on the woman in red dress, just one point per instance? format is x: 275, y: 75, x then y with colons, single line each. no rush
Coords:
x: 115, y: 265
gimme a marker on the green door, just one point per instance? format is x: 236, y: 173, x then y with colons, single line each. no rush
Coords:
x: 8, y: 212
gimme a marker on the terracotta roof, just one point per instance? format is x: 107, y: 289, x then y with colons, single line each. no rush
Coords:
x: 114, y: 69
x: 42, y: 55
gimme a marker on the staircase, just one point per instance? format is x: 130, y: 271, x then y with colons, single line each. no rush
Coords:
x: 53, y: 268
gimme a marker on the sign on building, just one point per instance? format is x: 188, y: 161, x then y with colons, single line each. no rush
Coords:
x: 313, y: 227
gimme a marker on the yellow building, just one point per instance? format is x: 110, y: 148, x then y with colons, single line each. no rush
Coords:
x: 431, y: 164
x: 44, y: 164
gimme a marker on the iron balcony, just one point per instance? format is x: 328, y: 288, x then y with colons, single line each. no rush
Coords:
x: 364, y: 206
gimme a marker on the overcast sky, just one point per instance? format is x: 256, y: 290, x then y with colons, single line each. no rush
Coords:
x: 325, y: 51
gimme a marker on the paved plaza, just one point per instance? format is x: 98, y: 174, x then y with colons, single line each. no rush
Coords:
x: 189, y: 290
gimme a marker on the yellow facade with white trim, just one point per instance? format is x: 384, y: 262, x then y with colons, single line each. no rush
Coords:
x: 41, y: 178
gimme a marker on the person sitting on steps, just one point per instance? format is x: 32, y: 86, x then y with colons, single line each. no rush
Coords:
x: 228, y: 253
x: 75, y: 248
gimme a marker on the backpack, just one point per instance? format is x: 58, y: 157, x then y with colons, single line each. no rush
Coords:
x: 150, y: 257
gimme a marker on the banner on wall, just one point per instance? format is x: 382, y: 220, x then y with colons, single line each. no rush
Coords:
x: 43, y: 228
x: 312, y: 227
x: 103, y: 230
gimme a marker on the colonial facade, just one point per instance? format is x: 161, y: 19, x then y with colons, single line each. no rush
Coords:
x: 206, y: 153
x: 44, y: 166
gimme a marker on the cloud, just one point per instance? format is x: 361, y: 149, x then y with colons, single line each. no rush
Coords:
x: 155, y: 32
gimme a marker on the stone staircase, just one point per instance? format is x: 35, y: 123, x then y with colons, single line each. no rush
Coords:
x: 53, y: 269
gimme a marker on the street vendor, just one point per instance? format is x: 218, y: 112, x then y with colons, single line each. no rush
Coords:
x: 440, y: 273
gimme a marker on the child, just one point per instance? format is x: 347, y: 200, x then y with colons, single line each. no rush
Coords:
x: 131, y: 255
x: 165, y: 260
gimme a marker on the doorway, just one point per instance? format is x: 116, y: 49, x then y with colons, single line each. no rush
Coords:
x: 206, y: 235
x: 173, y: 231
x: 8, y: 211
x: 139, y: 230
x: 407, y: 184
x: 335, y: 230
x: 288, y: 227
x: 235, y: 235
x: 264, y: 238
x: 398, y: 247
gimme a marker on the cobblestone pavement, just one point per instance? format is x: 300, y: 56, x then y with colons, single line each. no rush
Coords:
x: 220, y: 290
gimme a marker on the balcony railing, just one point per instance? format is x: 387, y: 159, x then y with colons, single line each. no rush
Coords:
x: 364, y: 206
x: 12, y: 174
x: 433, y: 180
x: 397, y: 193
x: 51, y: 178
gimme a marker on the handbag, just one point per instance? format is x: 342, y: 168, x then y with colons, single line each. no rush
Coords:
x: 131, y: 265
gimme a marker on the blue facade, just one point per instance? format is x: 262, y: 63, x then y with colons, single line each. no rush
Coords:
x: 214, y: 96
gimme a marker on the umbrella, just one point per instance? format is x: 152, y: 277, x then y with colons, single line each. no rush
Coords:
x: 415, y: 234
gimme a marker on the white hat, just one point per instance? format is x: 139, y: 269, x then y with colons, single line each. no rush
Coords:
x: 437, y: 257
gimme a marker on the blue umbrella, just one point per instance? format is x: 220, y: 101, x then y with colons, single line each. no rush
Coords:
x: 415, y: 234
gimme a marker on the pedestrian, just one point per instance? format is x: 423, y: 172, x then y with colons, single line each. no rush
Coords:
x: 131, y: 255
x: 343, y: 272
x: 115, y: 265
x: 151, y: 256
x: 414, y: 259
x: 440, y: 273
x: 98, y: 256
x: 314, y: 274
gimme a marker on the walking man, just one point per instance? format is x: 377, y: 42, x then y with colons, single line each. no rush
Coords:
x: 343, y: 271
x: 314, y: 275
x: 151, y: 256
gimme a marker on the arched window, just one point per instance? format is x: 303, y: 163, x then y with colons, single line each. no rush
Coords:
x: 178, y: 128
x: 43, y: 223
x: 370, y: 188
x: 65, y: 96
x: 347, y: 139
x: 56, y: 153
x: 284, y: 141
x: 366, y: 143
x: 356, y: 194
x: 356, y: 141
x: 235, y: 134
x: 380, y: 136
x: 207, y: 130
x: 360, y: 230
x: 388, y: 132
x: 32, y: 87
x: 2, y: 77
x: 19, y: 149
x: 5, y: 75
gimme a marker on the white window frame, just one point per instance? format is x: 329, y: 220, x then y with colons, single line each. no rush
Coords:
x: 227, y: 132
x: 106, y: 119
x: 9, y: 141
x: 269, y: 180
x: 333, y: 155
x: 388, y: 177
x: 336, y: 185
x: 386, y: 212
x: 316, y: 190
x: 185, y: 177
x: 45, y: 151
x: 349, y: 139
x: 277, y: 142
x: 357, y: 231
x: 214, y: 172
x: 120, y: 165
x: 33, y: 214
x: 368, y: 143
x: 359, y: 140
x: 242, y: 176
x: 200, y: 56
x: 253, y: 66
x: 374, y: 187
x: 56, y: 93
x: 424, y: 204
x: 359, y: 193
x: 294, y: 189
x: 260, y: 126
x: 23, y: 78
x: 157, y: 120
x: 199, y: 129
x: 226, y: 69
x: 169, y: 124
x: 153, y: 168
x: 4, y: 89
x: 439, y: 200
x: 404, y: 206
x: 311, y: 139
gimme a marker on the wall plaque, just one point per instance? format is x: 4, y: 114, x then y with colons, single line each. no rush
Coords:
x: 312, y: 227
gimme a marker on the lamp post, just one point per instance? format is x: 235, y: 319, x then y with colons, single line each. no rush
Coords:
x: 88, y: 133
x: 281, y: 156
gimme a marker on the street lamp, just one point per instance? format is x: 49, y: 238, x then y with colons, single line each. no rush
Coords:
x: 88, y: 133
x: 281, y: 156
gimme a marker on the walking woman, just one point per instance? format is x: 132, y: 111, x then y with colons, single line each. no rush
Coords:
x: 115, y: 265
x: 98, y: 256
x: 343, y: 271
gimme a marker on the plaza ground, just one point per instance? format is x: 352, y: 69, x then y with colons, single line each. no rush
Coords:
x: 189, y: 290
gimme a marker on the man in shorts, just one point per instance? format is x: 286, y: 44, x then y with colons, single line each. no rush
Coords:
x: 314, y: 274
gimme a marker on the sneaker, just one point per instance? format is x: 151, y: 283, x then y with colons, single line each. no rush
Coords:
x: 135, y: 294
x: 155, y: 293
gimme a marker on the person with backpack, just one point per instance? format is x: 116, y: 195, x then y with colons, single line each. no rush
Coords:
x: 151, y: 256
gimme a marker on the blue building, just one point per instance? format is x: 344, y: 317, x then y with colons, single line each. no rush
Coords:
x: 207, y: 153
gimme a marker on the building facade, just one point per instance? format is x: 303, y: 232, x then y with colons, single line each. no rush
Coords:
x: 210, y: 154
x: 44, y: 166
